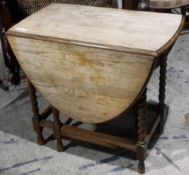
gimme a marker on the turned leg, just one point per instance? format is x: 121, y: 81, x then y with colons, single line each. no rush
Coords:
x: 162, y: 89
x: 141, y: 122
x: 56, y: 128
x: 36, y: 115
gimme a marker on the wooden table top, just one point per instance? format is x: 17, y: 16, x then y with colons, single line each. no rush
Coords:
x: 130, y: 31
x: 79, y: 57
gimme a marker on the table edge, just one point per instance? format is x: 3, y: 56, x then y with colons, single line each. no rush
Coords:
x: 151, y: 53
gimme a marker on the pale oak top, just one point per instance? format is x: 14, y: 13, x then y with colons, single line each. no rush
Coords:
x: 141, y: 32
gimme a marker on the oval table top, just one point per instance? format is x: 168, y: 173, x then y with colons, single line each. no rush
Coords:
x: 92, y: 63
x: 146, y: 33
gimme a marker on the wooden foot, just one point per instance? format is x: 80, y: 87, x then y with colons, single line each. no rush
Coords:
x: 38, y: 130
x: 161, y: 126
x: 141, y: 123
x: 57, y: 130
x: 141, y: 154
x: 36, y: 116
x: 162, y: 89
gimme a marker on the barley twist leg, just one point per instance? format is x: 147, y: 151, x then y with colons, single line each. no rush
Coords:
x: 36, y: 115
x: 162, y: 90
x: 141, y: 122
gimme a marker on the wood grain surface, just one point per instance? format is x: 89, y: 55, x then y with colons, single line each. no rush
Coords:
x: 86, y: 84
x: 133, y: 31
x: 91, y: 63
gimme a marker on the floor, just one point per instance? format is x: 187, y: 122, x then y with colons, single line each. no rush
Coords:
x: 20, y: 155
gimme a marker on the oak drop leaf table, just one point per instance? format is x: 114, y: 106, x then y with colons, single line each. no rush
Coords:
x: 92, y: 64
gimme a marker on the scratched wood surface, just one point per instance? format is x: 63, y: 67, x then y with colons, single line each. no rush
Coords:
x: 134, y: 31
x: 87, y: 84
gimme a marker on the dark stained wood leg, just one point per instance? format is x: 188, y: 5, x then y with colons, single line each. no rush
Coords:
x: 141, y: 154
x: 141, y: 145
x: 57, y: 129
x: 162, y: 89
x: 16, y: 72
x: 183, y: 10
x: 130, y: 4
x: 36, y: 116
